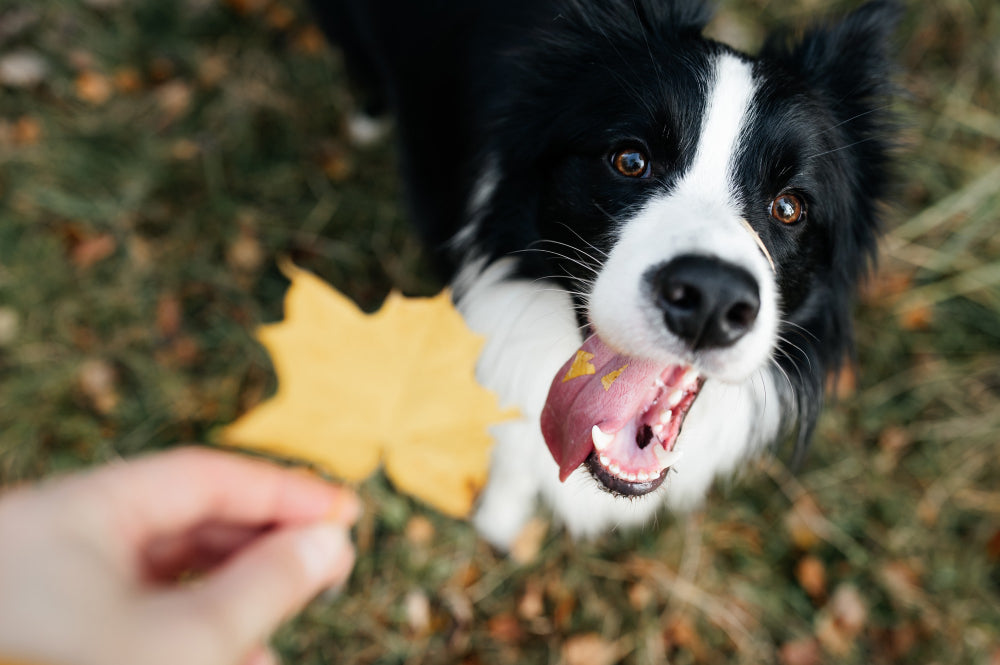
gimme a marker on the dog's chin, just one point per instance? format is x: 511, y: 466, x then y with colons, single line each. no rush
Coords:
x: 617, y: 486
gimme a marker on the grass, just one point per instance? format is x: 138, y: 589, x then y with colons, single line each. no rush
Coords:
x: 170, y: 151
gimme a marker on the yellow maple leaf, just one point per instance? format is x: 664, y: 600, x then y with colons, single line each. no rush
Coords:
x: 395, y: 388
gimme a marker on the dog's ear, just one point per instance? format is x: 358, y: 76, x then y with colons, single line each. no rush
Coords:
x: 683, y: 16
x: 655, y: 17
x: 850, y: 60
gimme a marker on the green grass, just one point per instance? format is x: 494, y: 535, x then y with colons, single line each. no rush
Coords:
x: 138, y: 239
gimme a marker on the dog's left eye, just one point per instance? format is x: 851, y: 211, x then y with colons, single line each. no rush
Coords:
x: 631, y: 163
x: 787, y: 208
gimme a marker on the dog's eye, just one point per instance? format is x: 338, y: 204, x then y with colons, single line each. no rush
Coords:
x: 631, y: 162
x: 787, y: 208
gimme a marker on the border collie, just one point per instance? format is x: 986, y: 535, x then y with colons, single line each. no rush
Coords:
x: 659, y: 236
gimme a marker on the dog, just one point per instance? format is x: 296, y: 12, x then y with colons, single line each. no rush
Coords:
x: 659, y: 236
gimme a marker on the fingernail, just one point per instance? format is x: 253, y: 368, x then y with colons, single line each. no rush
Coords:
x: 324, y: 548
x: 346, y: 508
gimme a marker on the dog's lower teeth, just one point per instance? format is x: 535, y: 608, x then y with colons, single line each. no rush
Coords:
x: 601, y: 438
x: 666, y: 458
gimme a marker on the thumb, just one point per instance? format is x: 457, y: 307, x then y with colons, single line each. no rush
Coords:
x: 246, y: 599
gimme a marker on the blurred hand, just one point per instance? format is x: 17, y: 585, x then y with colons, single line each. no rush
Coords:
x: 191, y: 556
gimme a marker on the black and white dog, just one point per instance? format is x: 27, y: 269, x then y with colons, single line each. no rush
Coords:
x: 659, y: 236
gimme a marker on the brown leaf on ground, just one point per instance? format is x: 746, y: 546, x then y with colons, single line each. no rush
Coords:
x: 805, y: 651
x: 417, y: 607
x: 902, y: 580
x: 419, y: 531
x: 800, y: 523
x: 842, y: 620
x: 916, y: 316
x: 26, y: 131
x: 681, y: 632
x: 505, y: 628
x: 245, y: 253
x: 127, y: 80
x: 309, y: 40
x: 90, y: 251
x: 842, y: 383
x: 98, y: 381
x: 529, y: 541
x: 169, y: 314
x: 93, y: 87
x: 589, y: 649
x: 811, y: 575
x: 173, y: 99
x: 532, y: 602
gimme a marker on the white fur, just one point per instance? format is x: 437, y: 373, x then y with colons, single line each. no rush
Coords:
x: 531, y: 331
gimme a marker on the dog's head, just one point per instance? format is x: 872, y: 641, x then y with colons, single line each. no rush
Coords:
x: 711, y: 213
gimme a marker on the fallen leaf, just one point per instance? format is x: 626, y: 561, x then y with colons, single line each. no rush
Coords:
x: 528, y: 542
x: 804, y: 651
x: 811, y: 575
x: 419, y: 531
x: 395, y: 388
x: 309, y: 40
x: 92, y: 250
x: 418, y: 611
x: 800, y: 522
x: 26, y: 131
x: 532, y: 603
x: 680, y: 632
x: 842, y: 620
x: 505, y: 628
x: 93, y: 87
x: 589, y: 649
x: 98, y: 381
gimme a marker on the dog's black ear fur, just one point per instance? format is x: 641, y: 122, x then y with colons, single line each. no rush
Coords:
x: 851, y: 59
x: 656, y: 17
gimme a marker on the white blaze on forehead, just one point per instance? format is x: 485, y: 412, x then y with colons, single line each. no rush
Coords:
x: 702, y: 215
x: 727, y: 111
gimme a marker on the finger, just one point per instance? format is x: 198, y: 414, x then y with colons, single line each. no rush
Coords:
x: 245, y: 600
x: 173, y: 491
x: 198, y: 550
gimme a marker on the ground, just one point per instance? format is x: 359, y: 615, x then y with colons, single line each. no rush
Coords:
x: 157, y: 157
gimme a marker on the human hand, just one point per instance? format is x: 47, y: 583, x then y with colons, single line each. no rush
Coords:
x: 92, y: 565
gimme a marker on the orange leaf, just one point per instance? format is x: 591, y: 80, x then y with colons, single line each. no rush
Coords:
x: 395, y: 388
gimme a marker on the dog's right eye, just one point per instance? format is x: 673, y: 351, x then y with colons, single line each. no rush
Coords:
x: 631, y: 163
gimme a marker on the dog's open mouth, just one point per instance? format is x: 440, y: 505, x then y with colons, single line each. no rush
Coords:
x: 619, y: 415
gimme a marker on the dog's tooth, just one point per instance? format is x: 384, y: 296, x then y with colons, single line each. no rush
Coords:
x: 632, y: 477
x: 674, y: 398
x: 615, y: 469
x: 665, y: 416
x: 658, y: 429
x: 605, y: 461
x: 601, y: 438
x: 642, y: 476
x: 666, y: 458
x: 690, y: 378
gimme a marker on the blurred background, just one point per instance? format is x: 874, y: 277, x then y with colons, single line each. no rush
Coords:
x: 155, y: 159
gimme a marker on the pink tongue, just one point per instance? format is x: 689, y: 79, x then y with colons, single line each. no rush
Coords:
x: 597, y: 386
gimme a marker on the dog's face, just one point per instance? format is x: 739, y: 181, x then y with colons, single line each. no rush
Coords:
x: 711, y: 215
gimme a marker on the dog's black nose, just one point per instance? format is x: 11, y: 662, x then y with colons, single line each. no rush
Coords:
x: 706, y: 302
